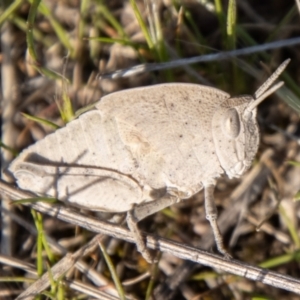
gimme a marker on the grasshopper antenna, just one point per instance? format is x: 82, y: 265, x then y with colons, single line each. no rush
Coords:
x: 263, y: 92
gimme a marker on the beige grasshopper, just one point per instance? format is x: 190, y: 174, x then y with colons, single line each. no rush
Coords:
x: 146, y: 148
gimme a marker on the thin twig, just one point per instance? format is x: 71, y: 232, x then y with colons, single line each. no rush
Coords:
x: 197, y: 59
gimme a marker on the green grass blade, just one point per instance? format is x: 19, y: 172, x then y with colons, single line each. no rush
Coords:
x: 142, y: 24
x: 61, y: 33
x: 231, y: 25
x: 41, y: 121
x: 9, y: 11
x: 293, y: 163
x: 205, y: 275
x: 37, y: 217
x: 159, y: 38
x: 280, y: 260
x: 115, y: 40
x: 17, y: 279
x: 66, y: 108
x: 154, y: 273
x: 83, y: 12
x: 36, y: 4
x: 287, y: 19
x: 113, y: 273
x: 102, y: 9
x: 221, y: 19
x: 13, y: 151
x: 37, y: 34
x: 30, y: 24
x: 53, y: 282
x: 35, y: 199
x: 292, y: 230
x: 291, y: 96
x: 84, y: 109
x: 297, y: 196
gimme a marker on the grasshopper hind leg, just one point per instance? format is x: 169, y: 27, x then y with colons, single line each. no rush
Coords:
x: 141, y: 211
x: 139, y: 240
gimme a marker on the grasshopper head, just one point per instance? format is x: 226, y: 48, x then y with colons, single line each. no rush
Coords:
x: 235, y: 130
x: 236, y: 135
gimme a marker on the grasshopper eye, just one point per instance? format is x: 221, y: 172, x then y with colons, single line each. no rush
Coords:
x: 231, y: 123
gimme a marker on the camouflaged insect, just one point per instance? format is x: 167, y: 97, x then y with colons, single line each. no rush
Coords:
x: 146, y: 148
